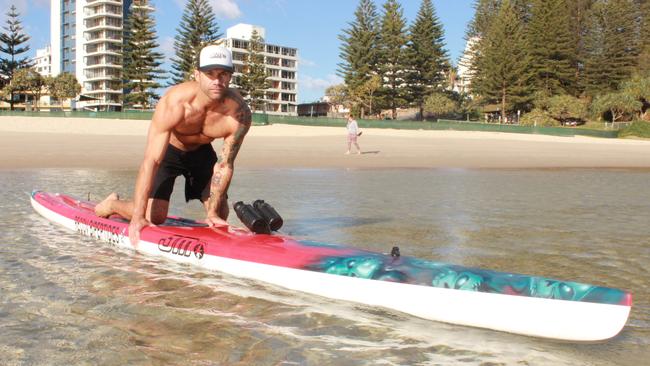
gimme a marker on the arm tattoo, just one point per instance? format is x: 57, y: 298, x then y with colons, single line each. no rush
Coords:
x: 215, y: 183
x: 216, y: 179
x: 233, y: 147
x: 244, y: 115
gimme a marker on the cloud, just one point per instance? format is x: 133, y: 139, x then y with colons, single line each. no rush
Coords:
x: 309, y: 83
x: 222, y: 8
x: 226, y: 9
x: 305, y: 62
x: 276, y: 6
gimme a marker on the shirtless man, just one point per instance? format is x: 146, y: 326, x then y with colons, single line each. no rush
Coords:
x: 187, y: 119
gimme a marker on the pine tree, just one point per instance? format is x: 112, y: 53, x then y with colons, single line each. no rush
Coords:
x: 197, y: 29
x: 359, y: 52
x: 427, y: 59
x: 11, y: 44
x: 486, y: 10
x: 578, y: 10
x: 484, y: 13
x: 501, y: 72
x: 643, y: 67
x: 611, y: 45
x: 141, y: 61
x: 551, y: 48
x: 253, y: 81
x: 392, y: 56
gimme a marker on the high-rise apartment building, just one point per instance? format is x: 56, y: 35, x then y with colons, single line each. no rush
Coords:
x: 86, y: 40
x: 281, y: 64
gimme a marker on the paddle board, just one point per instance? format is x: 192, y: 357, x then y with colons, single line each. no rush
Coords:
x: 515, y: 303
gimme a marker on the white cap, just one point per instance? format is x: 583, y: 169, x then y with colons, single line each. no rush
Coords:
x: 215, y: 57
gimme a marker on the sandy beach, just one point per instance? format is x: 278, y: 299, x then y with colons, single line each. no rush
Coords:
x: 38, y: 142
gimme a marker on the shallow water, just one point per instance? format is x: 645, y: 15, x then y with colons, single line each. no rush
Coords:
x: 66, y: 299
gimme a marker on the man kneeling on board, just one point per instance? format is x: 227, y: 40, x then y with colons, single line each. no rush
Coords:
x: 186, y: 121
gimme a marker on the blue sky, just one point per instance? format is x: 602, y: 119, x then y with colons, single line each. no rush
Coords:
x: 311, y: 26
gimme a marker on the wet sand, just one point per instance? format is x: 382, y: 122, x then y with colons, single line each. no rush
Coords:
x: 38, y: 142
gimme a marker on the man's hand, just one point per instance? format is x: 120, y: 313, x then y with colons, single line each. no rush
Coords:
x: 136, y: 225
x: 215, y: 221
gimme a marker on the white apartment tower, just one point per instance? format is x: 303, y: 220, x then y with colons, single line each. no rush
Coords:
x: 464, y: 77
x: 281, y: 68
x: 86, y: 40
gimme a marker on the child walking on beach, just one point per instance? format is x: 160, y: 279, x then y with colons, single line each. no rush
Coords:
x: 353, y: 133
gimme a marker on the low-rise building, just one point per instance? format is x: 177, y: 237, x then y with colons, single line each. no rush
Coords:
x: 43, y: 61
x: 281, y: 63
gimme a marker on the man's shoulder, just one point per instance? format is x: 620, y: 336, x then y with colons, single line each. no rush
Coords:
x: 181, y: 92
x: 235, y: 95
x: 238, y: 106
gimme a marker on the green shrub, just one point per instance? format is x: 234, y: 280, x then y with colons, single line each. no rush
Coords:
x: 566, y: 108
x: 538, y: 117
x: 637, y: 129
x: 617, y: 104
x: 439, y: 104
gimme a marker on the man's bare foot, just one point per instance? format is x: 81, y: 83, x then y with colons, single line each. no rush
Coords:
x: 103, y: 209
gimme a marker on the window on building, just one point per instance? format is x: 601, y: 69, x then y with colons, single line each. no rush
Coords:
x: 286, y: 97
x: 238, y: 56
x: 288, y: 75
x: 289, y: 51
x: 238, y: 43
x: 288, y: 63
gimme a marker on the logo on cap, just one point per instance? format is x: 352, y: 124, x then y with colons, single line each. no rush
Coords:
x: 213, y: 57
x: 218, y: 54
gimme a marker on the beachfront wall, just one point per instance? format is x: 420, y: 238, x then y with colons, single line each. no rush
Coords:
x: 263, y: 119
x: 446, y: 125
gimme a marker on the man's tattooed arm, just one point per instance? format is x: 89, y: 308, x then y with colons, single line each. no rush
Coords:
x: 223, y: 170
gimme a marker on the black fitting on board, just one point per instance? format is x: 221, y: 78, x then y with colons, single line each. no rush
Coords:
x: 395, y: 252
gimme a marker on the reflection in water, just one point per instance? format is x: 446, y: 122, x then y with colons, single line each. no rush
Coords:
x: 69, y: 300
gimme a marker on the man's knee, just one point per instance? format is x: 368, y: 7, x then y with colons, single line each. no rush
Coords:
x: 157, y: 219
x: 157, y: 211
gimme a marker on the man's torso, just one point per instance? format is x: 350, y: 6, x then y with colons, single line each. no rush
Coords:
x: 202, y: 126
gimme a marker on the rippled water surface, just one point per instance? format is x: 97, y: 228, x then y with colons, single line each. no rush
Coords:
x: 68, y: 300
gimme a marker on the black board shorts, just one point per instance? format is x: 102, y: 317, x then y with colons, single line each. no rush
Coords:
x: 196, y: 166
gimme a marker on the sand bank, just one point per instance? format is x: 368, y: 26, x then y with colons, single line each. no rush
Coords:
x: 40, y: 142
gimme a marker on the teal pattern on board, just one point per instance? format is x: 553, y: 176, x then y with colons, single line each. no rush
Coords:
x: 415, y: 271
